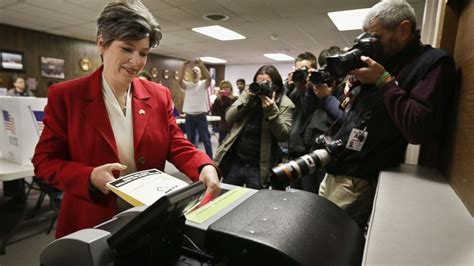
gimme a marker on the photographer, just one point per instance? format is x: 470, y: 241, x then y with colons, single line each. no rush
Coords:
x: 261, y: 118
x: 404, y: 97
x: 300, y: 92
x: 327, y: 116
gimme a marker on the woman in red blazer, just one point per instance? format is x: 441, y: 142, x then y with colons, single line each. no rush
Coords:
x: 78, y: 151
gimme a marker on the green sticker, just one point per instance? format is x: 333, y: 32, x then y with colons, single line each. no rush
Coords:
x: 209, y: 210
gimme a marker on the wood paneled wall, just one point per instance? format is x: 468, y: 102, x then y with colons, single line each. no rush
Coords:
x: 35, y: 44
x: 458, y: 38
x: 172, y: 64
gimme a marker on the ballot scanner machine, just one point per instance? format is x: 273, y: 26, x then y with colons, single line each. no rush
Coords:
x: 241, y: 227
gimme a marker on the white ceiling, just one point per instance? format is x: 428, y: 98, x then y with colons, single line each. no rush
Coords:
x: 301, y: 25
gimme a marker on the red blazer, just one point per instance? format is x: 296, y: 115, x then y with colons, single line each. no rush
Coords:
x: 77, y: 137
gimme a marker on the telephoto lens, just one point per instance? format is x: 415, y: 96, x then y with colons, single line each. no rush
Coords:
x: 284, y: 174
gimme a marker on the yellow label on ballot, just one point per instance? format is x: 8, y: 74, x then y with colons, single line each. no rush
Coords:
x: 207, y: 211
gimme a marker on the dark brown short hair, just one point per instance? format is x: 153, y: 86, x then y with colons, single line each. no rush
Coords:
x: 333, y: 50
x: 128, y: 21
x: 307, y: 56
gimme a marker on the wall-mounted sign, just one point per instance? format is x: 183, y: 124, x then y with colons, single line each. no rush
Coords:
x: 52, y: 67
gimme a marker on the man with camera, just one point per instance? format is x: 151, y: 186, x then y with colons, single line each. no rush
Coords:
x: 404, y: 96
x: 300, y: 92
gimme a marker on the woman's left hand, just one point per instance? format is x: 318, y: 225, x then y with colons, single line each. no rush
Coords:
x: 210, y: 178
x: 266, y: 101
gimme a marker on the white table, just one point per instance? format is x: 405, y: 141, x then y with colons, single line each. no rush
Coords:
x: 13, y: 171
x: 418, y: 219
x: 14, y: 211
x: 210, y: 118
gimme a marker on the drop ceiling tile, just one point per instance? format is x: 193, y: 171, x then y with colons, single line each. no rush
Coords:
x: 43, y: 13
x: 72, y: 10
x: 4, y: 3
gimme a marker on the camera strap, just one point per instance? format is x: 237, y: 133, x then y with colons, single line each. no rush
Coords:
x: 348, y: 98
x: 351, y: 90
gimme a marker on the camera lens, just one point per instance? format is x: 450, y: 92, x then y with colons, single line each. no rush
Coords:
x: 300, y: 75
x: 319, y: 77
x: 254, y: 88
x: 284, y: 174
x: 261, y: 88
x: 340, y: 65
x: 364, y: 44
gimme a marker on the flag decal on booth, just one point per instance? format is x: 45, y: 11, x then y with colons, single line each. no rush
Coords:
x: 8, y: 122
x: 38, y: 120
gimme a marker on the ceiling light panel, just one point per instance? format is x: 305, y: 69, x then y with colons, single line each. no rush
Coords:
x: 219, y: 32
x: 279, y: 57
x: 348, y: 19
x: 213, y: 60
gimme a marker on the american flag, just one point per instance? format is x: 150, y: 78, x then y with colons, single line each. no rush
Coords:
x: 8, y: 121
x: 39, y: 115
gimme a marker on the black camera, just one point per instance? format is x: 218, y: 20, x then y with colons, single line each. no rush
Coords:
x: 261, y: 88
x: 364, y: 44
x: 284, y: 174
x: 299, y: 76
x: 321, y: 76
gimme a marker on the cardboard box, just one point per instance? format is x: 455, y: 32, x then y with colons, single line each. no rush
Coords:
x: 22, y: 124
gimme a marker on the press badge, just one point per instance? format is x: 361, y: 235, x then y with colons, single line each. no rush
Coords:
x: 356, y: 139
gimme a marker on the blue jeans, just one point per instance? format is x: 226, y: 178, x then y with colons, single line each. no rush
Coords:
x: 239, y: 175
x: 198, y: 122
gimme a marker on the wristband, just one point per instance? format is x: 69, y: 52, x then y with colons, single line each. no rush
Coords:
x: 381, y: 79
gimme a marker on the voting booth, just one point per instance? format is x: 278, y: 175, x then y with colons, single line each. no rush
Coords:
x: 241, y: 227
x: 22, y: 124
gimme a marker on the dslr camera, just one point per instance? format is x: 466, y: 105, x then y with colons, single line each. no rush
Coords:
x: 299, y: 76
x: 321, y: 76
x: 339, y: 65
x: 261, y: 88
x: 284, y: 174
x: 364, y: 44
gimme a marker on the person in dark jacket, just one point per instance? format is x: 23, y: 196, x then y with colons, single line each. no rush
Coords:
x: 223, y: 101
x: 260, y: 121
x: 404, y: 97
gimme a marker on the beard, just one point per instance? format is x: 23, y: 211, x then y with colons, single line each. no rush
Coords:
x: 392, y: 47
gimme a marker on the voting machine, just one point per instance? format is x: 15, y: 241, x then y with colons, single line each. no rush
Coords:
x: 241, y: 227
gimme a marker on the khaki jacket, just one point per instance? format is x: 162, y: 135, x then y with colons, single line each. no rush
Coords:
x: 276, y: 127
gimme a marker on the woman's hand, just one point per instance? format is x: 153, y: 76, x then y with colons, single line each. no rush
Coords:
x: 210, y: 178
x: 101, y: 175
x: 266, y: 101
